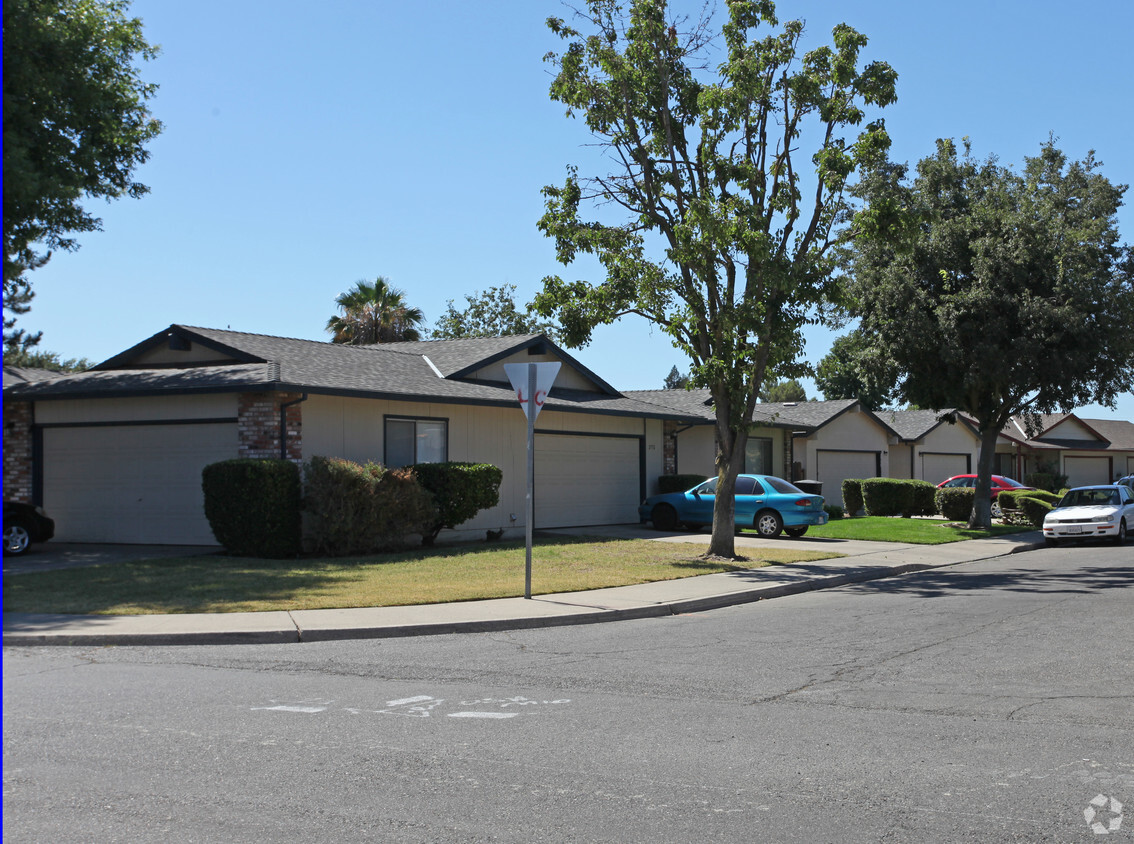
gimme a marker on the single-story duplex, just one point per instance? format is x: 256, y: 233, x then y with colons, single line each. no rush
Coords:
x: 114, y: 454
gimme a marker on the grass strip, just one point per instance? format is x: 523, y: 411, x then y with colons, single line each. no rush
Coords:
x: 214, y: 583
x: 914, y: 531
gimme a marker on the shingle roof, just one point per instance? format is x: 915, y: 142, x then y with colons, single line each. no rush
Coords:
x: 397, y: 370
x: 912, y: 424
x: 24, y: 374
x: 804, y: 414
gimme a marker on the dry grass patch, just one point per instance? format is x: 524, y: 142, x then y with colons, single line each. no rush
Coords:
x: 424, y: 576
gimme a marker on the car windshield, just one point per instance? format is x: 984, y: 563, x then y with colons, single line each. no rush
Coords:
x: 1089, y: 497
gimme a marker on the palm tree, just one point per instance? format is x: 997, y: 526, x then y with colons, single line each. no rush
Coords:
x: 374, y: 313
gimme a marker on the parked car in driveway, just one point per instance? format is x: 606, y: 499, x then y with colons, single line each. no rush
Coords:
x: 1090, y: 512
x: 770, y: 505
x: 1000, y: 483
x: 23, y: 525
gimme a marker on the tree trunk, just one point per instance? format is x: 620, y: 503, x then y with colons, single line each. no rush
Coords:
x: 981, y: 516
x: 730, y: 458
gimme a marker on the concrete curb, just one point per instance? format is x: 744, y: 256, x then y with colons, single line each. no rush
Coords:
x: 502, y: 615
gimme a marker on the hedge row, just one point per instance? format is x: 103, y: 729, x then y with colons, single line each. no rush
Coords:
x: 256, y: 507
x: 896, y: 497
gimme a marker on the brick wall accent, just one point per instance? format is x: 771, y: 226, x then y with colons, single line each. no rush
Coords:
x: 18, y: 451
x: 789, y: 470
x: 258, y: 425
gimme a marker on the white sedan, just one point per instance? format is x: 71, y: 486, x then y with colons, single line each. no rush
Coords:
x: 1089, y: 512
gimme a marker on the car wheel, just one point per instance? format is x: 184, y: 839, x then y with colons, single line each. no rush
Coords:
x: 796, y: 531
x: 768, y: 524
x: 664, y: 517
x: 997, y: 513
x: 1120, y: 537
x: 17, y: 539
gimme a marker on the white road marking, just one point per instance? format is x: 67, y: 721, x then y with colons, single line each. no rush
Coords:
x: 483, y: 714
x: 309, y: 709
x: 405, y: 700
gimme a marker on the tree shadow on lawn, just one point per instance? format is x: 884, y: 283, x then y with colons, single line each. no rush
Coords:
x: 944, y: 583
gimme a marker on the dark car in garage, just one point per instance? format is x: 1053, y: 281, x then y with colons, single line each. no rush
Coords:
x: 25, y: 524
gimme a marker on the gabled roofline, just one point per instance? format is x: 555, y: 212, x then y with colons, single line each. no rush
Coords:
x: 1078, y: 419
x: 536, y: 340
x: 122, y: 359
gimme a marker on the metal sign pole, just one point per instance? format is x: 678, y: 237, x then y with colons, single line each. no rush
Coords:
x: 531, y: 479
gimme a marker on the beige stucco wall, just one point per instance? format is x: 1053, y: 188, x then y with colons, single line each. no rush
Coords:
x: 567, y: 378
x: 697, y: 450
x: 851, y: 431
x: 944, y: 439
x: 353, y: 429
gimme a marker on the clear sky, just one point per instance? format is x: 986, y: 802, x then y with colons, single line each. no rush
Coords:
x: 308, y: 146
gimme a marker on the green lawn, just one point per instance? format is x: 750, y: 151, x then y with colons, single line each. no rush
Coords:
x: 917, y: 531
x: 214, y: 583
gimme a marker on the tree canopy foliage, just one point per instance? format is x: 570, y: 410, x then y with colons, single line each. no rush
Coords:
x: 996, y: 292
x: 374, y: 312
x: 725, y: 194
x: 492, y: 313
x: 676, y: 380
x: 76, y: 122
x: 852, y: 369
x: 783, y: 391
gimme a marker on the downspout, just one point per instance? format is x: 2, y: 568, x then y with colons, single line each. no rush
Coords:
x: 283, y: 423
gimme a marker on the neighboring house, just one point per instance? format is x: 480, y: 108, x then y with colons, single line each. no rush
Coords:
x: 115, y: 454
x: 1087, y: 451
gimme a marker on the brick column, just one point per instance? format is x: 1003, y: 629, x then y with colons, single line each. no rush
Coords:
x: 18, y: 451
x: 258, y: 424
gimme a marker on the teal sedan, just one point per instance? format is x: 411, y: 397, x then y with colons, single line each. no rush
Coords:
x: 770, y: 505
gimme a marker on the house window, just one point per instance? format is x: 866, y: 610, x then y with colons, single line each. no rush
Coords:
x: 410, y: 441
x: 758, y: 456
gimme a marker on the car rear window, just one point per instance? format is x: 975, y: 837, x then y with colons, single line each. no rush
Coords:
x: 784, y: 487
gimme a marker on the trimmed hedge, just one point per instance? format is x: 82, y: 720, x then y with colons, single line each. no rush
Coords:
x: 955, y: 503
x: 459, y: 490
x: 678, y: 483
x: 1034, y: 509
x: 359, y: 509
x: 897, y: 497
x: 253, y: 506
x: 834, y: 511
x: 852, y: 496
x: 1010, y: 499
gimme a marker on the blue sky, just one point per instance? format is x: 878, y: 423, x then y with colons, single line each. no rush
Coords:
x: 309, y: 146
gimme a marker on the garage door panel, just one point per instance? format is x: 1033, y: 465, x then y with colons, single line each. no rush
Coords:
x: 940, y: 467
x: 583, y: 480
x: 833, y: 467
x: 132, y: 484
x: 1084, y: 471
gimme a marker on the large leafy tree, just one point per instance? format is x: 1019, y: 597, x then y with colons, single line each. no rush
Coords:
x: 725, y: 195
x: 997, y: 292
x: 374, y: 312
x: 492, y: 313
x: 853, y: 369
x: 76, y: 122
x: 783, y: 391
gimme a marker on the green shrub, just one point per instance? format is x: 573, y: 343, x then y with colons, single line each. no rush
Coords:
x: 459, y: 490
x: 1010, y: 499
x: 1034, y: 510
x: 897, y: 497
x: 253, y: 506
x: 955, y: 503
x: 359, y: 509
x: 1048, y: 479
x: 834, y: 511
x: 678, y: 483
x: 852, y: 496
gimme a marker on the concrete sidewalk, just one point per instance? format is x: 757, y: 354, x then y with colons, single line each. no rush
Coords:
x: 861, y: 561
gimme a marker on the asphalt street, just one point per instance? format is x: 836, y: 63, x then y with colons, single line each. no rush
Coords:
x: 992, y: 701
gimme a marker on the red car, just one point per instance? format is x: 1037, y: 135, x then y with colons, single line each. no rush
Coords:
x: 999, y: 484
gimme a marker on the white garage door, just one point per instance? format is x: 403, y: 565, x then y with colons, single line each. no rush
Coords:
x: 132, y: 483
x: 1084, y: 471
x: 936, y: 468
x: 581, y: 480
x: 833, y: 467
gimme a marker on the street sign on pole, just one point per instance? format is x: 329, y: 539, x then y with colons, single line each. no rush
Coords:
x: 532, y: 382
